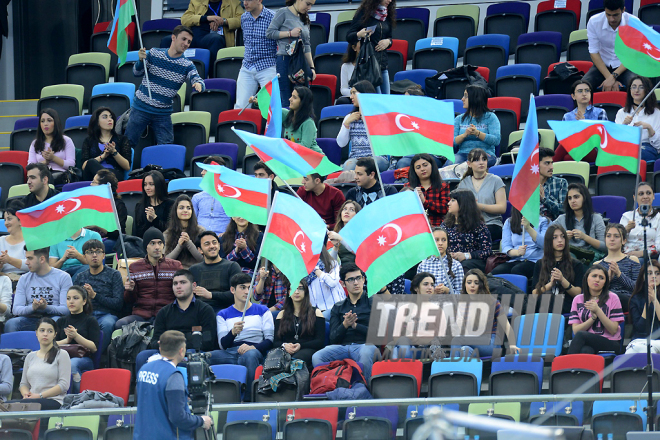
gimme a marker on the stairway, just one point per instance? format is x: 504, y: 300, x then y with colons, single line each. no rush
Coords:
x: 10, y: 111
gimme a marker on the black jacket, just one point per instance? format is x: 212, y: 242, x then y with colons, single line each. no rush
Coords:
x: 383, y: 30
x: 341, y: 335
x: 171, y: 317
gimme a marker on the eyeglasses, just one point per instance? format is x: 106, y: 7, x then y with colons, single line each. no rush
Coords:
x: 301, y: 288
x: 353, y: 280
x: 583, y: 91
x: 641, y: 88
x: 94, y: 252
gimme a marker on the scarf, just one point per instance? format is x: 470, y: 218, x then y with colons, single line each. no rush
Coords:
x: 380, y: 13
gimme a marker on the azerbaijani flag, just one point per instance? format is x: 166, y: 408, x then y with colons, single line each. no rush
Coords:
x: 401, y: 125
x: 617, y: 144
x: 118, y: 41
x: 389, y: 236
x: 286, y: 158
x: 638, y: 48
x: 524, y: 194
x: 240, y: 195
x: 294, y: 237
x: 270, y: 106
x: 58, y: 218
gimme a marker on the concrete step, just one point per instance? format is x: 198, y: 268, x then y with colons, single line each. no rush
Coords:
x: 10, y: 111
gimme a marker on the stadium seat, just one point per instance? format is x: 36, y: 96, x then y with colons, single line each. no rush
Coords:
x: 502, y: 170
x: 191, y: 128
x: 249, y: 161
x: 319, y: 29
x: 552, y: 108
x: 629, y: 372
x: 455, y: 87
x: 153, y: 31
x: 547, y: 137
x: 491, y: 51
x: 370, y: 423
x: 107, y: 380
x: 541, y: 334
x: 117, y: 96
x: 459, y: 21
x: 514, y: 374
x: 167, y: 156
x: 124, y: 73
x: 596, y: 7
x: 319, y: 423
x: 73, y: 427
x: 615, y: 417
x: 437, y: 53
x: 323, y: 90
x: 185, y: 185
x: 201, y: 58
x: 25, y: 131
x: 99, y: 40
x: 508, y: 18
x: 229, y: 383
x: 611, y: 102
x: 570, y: 372
x: 572, y: 171
x: 553, y: 85
x: 578, y: 46
x: 415, y: 417
x: 66, y: 99
x: 611, y: 207
x: 343, y: 24
x: 256, y: 424
x: 557, y: 414
x: 396, y: 379
x: 11, y: 174
x: 219, y: 96
x: 72, y: 186
x: 458, y: 105
x: 560, y: 17
x: 331, y: 149
x: 228, y: 62
x: 250, y: 120
x: 88, y: 70
x: 511, y: 410
x: 397, y: 57
x: 542, y: 48
x: 507, y: 110
x: 17, y: 434
x: 17, y: 157
x: 649, y: 12
x: 417, y: 76
x: 455, y: 377
x: 21, y: 339
x: 518, y: 280
x: 328, y: 60
x: 412, y: 24
x: 227, y: 151
x: 331, y: 119
x: 616, y: 181
x: 518, y: 80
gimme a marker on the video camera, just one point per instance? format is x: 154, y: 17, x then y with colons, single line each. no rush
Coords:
x: 199, y: 377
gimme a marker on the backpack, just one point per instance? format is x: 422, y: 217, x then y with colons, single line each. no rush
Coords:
x: 367, y: 66
x: 299, y: 71
x: 561, y: 78
x: 336, y: 374
x: 124, y: 349
x: 500, y: 286
x: 435, y: 85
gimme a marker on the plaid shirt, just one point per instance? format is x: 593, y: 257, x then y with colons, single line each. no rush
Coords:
x: 438, y: 268
x: 436, y: 203
x: 259, y: 50
x: 246, y: 254
x: 555, y: 190
x: 276, y: 287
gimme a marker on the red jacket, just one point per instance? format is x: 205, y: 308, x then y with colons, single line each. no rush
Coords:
x: 153, y: 286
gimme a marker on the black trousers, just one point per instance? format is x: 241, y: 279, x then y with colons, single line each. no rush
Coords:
x: 589, y: 343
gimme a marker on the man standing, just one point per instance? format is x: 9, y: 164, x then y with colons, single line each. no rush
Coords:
x: 163, y: 411
x: 210, y: 213
x: 38, y: 180
x: 325, y: 199
x: 168, y: 69
x: 260, y: 52
x: 68, y: 256
x: 553, y: 189
x: 368, y: 187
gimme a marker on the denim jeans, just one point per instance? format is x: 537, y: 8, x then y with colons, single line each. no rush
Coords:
x: 73, y: 270
x: 107, y: 324
x: 362, y: 353
x: 160, y: 124
x: 467, y: 350
x: 382, y: 163
x: 384, y: 87
x: 282, y: 66
x: 649, y: 153
x: 251, y: 359
x: 24, y: 323
x: 249, y: 82
x: 212, y: 41
x: 78, y: 367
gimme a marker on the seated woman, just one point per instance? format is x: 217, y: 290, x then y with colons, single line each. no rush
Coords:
x: 241, y: 242
x: 557, y: 271
x: 478, y: 127
x: 181, y: 233
x: 155, y: 206
x: 51, y: 147
x: 80, y: 327
x: 469, y: 238
x: 632, y: 221
x: 488, y: 189
x: 647, y: 118
x: 272, y: 288
x: 432, y: 191
x: 447, y: 275
x: 103, y: 177
x: 347, y: 68
x: 595, y: 315
x: 47, y: 371
x: 622, y: 269
x: 353, y: 133
x: 585, y: 228
x: 324, y: 287
x: 584, y: 109
x: 104, y: 148
x: 300, y: 327
x: 522, y: 255
x: 638, y: 313
x: 12, y: 246
x: 6, y: 377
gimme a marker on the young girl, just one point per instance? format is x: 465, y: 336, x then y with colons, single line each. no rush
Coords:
x: 432, y: 191
x: 647, y: 118
x: 522, y: 256
x: 154, y: 208
x: 448, y: 276
x: 423, y: 284
x: 104, y: 148
x: 272, y: 288
x: 80, y: 327
x: 638, y: 312
x: 478, y: 127
x: 324, y: 287
x: 298, y: 121
x: 585, y: 228
x: 182, y: 232
x: 595, y: 315
x: 621, y: 269
x: 241, y: 242
x: 347, y: 68
x: 51, y: 147
x: 632, y: 220
x: 12, y: 246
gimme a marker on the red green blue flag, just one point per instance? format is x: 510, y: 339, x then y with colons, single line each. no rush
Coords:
x: 638, y: 47
x: 294, y: 237
x: 389, y: 236
x: 58, y: 218
x: 286, y: 158
x: 617, y: 144
x: 240, y: 195
x: 401, y: 125
x: 270, y: 106
x: 119, y: 41
x: 525, y: 194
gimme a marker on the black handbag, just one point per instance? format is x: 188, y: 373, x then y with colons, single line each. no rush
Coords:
x: 277, y: 361
x: 72, y: 174
x: 367, y: 66
x: 299, y: 71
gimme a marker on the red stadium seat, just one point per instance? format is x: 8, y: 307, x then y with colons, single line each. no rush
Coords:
x: 133, y: 185
x: 576, y: 363
x: 17, y: 157
x: 108, y: 380
x: 506, y: 103
x: 582, y: 66
x: 248, y: 115
x: 402, y: 377
x: 618, y: 98
x: 329, y: 414
x: 484, y: 71
x: 402, y: 47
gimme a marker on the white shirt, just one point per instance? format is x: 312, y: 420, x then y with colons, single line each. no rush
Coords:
x: 325, y: 291
x: 601, y: 38
x: 636, y: 235
x: 653, y: 120
x: 346, y: 73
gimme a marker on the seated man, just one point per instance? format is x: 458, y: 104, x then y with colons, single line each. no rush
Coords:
x: 38, y: 181
x: 209, y: 211
x: 349, y: 322
x: 150, y: 285
x: 368, y: 187
x: 67, y: 255
x: 104, y: 287
x: 40, y: 292
x: 244, y: 342
x: 325, y: 199
x: 262, y: 171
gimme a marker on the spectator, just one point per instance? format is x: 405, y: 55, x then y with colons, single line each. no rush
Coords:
x: 213, y: 274
x: 261, y: 171
x: 469, y: 238
x: 595, y: 315
x: 639, y: 313
x: 244, y: 342
x: 323, y: 286
x: 298, y: 121
x: 648, y: 118
x: 325, y: 199
x: 447, y: 275
x: 241, y: 243
x: 271, y: 289
x: 103, y: 177
x: 349, y: 324
x: 81, y: 328
x: 602, y: 29
x: 300, y: 327
x: 289, y: 25
x: 381, y: 16
x: 5, y: 309
x: 622, y: 270
x: 478, y: 127
x: 632, y: 222
x: 353, y: 133
x: 553, y: 189
x: 104, y: 148
x: 368, y: 188
x: 523, y: 253
x: 149, y: 287
x: 557, y: 270
x: 68, y: 254
x: 154, y: 208
x: 348, y: 66
x: 181, y: 234
x: 432, y: 191
x: 12, y: 246
x: 39, y: 293
x: 105, y: 288
x: 209, y: 211
x: 39, y: 180
x: 580, y: 218
x: 168, y: 69
x: 6, y: 377
x: 51, y: 147
x: 258, y: 67
x: 423, y: 283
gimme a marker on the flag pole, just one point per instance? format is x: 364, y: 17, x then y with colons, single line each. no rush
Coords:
x: 248, y: 104
x: 371, y: 146
x: 121, y: 235
x: 146, y: 72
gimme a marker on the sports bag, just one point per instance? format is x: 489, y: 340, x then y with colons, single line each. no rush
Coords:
x: 367, y: 66
x: 435, y: 85
x: 336, y: 374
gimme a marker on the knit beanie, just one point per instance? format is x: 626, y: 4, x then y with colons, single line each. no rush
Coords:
x: 151, y: 234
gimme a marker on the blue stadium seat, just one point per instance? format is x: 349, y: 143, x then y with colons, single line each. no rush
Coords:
x: 117, y: 96
x: 455, y: 377
x: 25, y: 131
x: 167, y: 156
x: 331, y: 149
x: 23, y: 339
x: 490, y: 50
x: 516, y: 375
x: 226, y: 150
x: 437, y: 53
x: 250, y: 422
x: 615, y: 417
x: 203, y: 58
x: 542, y: 48
x: 417, y: 76
x: 518, y: 80
x: 186, y: 184
x: 377, y: 421
x: 518, y: 280
x: 539, y: 334
x: 77, y: 121
x: 229, y: 386
x: 502, y: 170
x: 331, y: 48
x: 412, y: 24
x: 611, y: 207
x: 552, y: 108
x: 458, y: 105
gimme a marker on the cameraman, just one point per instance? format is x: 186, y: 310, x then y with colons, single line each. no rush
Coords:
x: 163, y: 410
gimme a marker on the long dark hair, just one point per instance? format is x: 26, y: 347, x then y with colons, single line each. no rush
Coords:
x: 368, y: 7
x: 587, y: 208
x: 477, y: 102
x: 483, y: 282
x: 307, y: 315
x: 351, y: 54
x: 654, y: 211
x: 87, y: 308
x: 641, y: 279
x: 450, y: 260
x: 285, y: 281
x: 52, y: 353
x: 339, y: 223
x: 106, y: 176
x: 417, y: 280
x: 159, y: 185
x: 363, y: 86
x: 174, y: 228
x: 58, y: 138
x: 93, y: 129
x: 579, y: 82
x: 303, y: 17
x: 515, y: 221
x: 304, y: 112
x: 605, y: 293
x: 651, y: 102
x: 474, y: 154
x: 469, y: 215
x: 413, y: 178
x: 229, y: 236
x: 548, y: 260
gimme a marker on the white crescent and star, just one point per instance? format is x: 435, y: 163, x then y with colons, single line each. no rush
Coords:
x: 60, y: 207
x: 603, y: 141
x: 535, y: 167
x: 221, y: 190
x: 399, y: 233
x: 414, y: 126
x: 302, y: 245
x: 648, y: 48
